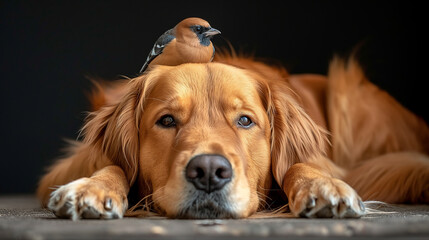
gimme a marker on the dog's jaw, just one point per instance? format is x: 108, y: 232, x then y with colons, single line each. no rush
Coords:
x: 186, y: 202
x: 203, y: 205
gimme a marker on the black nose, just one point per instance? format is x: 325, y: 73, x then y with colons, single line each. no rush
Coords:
x: 209, y: 173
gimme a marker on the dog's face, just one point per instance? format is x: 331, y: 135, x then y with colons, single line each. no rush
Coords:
x: 205, y: 142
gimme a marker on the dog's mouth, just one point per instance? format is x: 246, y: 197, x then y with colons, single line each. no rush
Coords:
x: 203, y: 205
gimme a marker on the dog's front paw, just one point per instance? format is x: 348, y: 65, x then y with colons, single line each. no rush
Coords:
x: 87, y: 198
x: 326, y: 198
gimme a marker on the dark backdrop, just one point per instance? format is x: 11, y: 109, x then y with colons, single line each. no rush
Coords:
x: 47, y: 49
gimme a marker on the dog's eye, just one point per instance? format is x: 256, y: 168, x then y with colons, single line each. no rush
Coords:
x: 166, y: 121
x: 245, y: 122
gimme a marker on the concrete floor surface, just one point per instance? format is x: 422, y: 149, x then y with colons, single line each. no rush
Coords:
x: 22, y: 218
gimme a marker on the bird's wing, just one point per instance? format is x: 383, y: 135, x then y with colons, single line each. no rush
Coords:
x: 211, y: 59
x: 158, y: 47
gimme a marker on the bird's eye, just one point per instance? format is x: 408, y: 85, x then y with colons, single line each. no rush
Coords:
x: 166, y: 121
x: 245, y: 122
x: 198, y: 29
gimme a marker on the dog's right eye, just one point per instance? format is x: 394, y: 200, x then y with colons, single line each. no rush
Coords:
x: 166, y: 121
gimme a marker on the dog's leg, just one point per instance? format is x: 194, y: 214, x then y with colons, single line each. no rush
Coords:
x: 312, y: 192
x: 103, y: 195
x: 401, y: 177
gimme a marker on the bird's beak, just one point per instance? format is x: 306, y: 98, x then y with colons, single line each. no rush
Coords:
x: 211, y: 32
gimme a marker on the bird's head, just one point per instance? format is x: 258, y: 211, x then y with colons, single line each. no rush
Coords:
x: 195, y: 31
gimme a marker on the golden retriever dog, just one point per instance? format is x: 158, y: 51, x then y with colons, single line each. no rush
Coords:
x: 216, y: 140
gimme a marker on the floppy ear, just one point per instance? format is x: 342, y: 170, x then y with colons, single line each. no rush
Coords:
x: 114, y: 129
x: 295, y: 137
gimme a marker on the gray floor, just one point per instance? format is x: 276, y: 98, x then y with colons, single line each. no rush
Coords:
x: 22, y: 218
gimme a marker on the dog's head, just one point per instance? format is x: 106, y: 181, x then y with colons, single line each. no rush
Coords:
x: 203, y: 140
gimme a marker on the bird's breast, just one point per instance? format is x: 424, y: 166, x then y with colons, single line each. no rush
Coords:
x: 176, y: 53
x: 195, y: 54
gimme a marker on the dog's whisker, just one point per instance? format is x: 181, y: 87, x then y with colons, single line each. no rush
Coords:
x: 262, y: 199
x: 147, y: 205
x: 139, y: 203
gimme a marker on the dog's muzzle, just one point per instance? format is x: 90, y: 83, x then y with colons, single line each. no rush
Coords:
x: 208, y: 196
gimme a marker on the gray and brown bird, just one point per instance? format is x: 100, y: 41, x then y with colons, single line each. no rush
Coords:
x: 188, y: 42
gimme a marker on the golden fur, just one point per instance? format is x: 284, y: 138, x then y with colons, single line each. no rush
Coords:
x: 325, y: 141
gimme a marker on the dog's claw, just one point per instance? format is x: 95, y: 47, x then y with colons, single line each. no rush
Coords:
x: 362, y: 206
x: 108, y: 204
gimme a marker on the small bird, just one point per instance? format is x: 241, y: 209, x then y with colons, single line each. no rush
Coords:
x: 188, y: 42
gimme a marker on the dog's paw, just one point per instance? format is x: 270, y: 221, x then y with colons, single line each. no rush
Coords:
x: 327, y: 198
x: 87, y: 198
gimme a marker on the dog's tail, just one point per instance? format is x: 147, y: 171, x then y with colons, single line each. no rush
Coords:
x: 384, y: 144
x: 365, y: 121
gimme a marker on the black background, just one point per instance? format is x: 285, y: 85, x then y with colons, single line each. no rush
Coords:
x: 48, y: 49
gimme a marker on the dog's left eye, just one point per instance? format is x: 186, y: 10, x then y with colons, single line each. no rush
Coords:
x: 245, y: 122
x: 166, y: 121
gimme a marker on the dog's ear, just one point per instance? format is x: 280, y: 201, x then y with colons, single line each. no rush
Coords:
x: 114, y: 128
x: 295, y: 137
